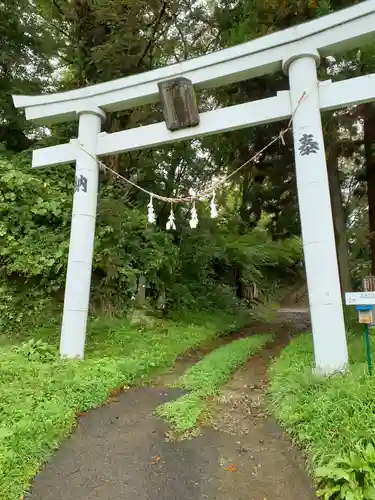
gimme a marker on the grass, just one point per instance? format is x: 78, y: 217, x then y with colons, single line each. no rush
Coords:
x: 333, y: 418
x: 40, y: 395
x: 204, y: 379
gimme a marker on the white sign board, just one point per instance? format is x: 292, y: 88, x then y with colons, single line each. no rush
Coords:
x: 360, y: 298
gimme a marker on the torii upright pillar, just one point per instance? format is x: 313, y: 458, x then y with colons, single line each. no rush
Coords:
x: 82, y: 233
x: 319, y: 247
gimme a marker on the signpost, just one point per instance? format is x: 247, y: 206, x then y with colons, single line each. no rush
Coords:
x: 360, y: 298
x: 363, y: 302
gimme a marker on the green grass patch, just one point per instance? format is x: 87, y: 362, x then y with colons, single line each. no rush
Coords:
x: 332, y: 418
x: 40, y: 394
x: 205, y: 378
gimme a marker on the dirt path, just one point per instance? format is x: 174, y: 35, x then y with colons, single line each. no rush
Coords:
x: 270, y: 467
x: 119, y: 451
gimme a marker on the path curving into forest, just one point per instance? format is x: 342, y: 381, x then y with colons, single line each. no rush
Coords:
x: 120, y: 451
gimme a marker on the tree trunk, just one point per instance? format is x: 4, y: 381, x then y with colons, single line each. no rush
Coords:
x: 339, y: 222
x: 369, y: 139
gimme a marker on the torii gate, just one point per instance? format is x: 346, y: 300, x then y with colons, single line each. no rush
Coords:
x: 297, y: 51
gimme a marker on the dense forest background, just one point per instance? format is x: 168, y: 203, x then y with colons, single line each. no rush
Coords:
x: 56, y: 45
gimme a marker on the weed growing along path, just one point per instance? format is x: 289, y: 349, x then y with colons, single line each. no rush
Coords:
x: 120, y: 451
x: 204, y: 379
x: 332, y: 418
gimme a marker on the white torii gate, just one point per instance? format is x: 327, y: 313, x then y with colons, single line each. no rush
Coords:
x: 297, y: 51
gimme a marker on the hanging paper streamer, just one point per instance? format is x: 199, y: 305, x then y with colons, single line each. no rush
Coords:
x: 194, y: 217
x: 151, y: 212
x: 214, y: 212
x: 170, y: 223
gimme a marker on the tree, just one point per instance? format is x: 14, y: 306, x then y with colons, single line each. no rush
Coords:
x: 269, y: 185
x: 25, y: 67
x: 214, y: 265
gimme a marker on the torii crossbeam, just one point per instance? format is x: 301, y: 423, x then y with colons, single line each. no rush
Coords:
x: 297, y: 51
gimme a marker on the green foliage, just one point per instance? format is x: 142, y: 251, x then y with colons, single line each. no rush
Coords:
x: 104, y: 40
x: 332, y: 418
x: 184, y: 413
x: 37, y: 350
x: 127, y: 246
x: 26, y: 66
x: 35, y: 382
x: 199, y: 270
x: 351, y: 477
x: 205, y: 379
x: 34, y: 222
